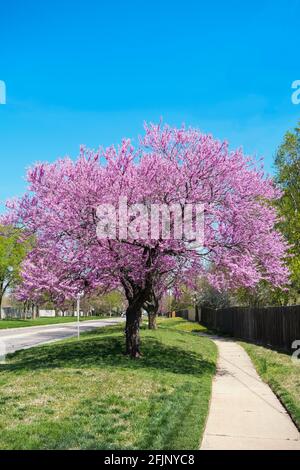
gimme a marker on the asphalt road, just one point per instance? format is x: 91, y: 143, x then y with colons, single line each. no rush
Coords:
x: 14, y: 339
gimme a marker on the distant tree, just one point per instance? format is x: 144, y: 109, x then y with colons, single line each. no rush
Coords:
x: 110, y: 303
x: 163, y: 281
x: 151, y: 306
x: 287, y: 163
x: 183, y: 301
x: 107, y: 303
x: 210, y: 297
x: 13, y: 250
x: 262, y: 295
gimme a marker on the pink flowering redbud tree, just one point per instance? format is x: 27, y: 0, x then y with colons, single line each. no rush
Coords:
x: 69, y: 203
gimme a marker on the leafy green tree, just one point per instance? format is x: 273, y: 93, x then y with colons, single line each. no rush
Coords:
x: 287, y: 164
x: 262, y: 295
x: 210, y: 297
x: 110, y: 303
x: 185, y: 300
x: 12, y: 252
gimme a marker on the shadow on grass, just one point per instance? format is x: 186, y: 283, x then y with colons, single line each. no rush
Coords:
x: 106, y: 348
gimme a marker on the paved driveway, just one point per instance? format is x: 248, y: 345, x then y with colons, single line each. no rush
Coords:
x: 14, y: 339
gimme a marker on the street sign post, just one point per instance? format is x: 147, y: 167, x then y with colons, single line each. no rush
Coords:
x: 79, y: 295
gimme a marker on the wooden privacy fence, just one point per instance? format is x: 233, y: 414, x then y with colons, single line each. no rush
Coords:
x: 276, y: 327
x: 190, y: 313
x: 183, y: 314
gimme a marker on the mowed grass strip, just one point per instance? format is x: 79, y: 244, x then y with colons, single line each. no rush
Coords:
x: 281, y: 373
x: 20, y: 323
x: 87, y: 394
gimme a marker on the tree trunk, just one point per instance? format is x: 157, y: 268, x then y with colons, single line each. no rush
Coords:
x: 136, y: 297
x: 151, y: 306
x: 152, y: 320
x: 132, y: 331
x: 24, y: 310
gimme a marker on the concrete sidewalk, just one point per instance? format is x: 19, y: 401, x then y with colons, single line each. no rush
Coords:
x: 244, y: 412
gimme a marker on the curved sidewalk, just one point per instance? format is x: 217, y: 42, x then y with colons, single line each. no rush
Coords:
x: 244, y: 412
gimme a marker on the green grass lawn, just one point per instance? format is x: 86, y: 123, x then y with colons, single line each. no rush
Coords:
x: 87, y: 394
x: 281, y: 373
x: 16, y: 323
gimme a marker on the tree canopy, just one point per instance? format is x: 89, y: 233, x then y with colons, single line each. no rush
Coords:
x: 13, y: 250
x: 288, y: 178
x: 169, y: 167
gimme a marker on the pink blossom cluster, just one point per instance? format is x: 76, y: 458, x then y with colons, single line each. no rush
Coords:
x: 168, y: 166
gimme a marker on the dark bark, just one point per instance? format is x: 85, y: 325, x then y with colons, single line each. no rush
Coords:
x: 151, y: 306
x: 152, y: 325
x: 136, y: 296
x: 136, y: 300
x: 25, y: 309
x: 132, y: 331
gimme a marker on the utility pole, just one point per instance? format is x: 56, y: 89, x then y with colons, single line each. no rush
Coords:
x: 79, y: 295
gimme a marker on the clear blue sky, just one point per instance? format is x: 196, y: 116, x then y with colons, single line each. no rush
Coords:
x: 91, y: 72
